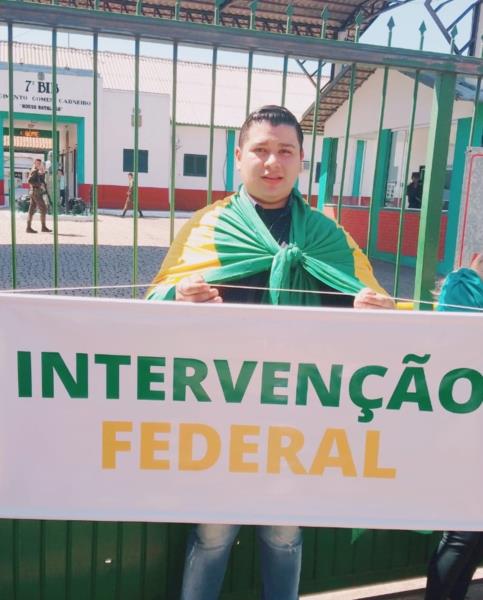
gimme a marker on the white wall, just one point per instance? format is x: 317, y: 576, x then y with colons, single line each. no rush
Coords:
x: 117, y: 133
x: 367, y: 106
x: 32, y: 96
x: 304, y: 175
x: 196, y: 140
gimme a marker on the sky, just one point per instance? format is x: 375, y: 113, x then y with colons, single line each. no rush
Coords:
x: 407, y: 17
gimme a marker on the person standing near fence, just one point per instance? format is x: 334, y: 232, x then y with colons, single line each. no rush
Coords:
x: 129, y: 199
x: 266, y: 241
x: 413, y: 191
x: 36, y: 181
x: 61, y: 179
x: 459, y: 553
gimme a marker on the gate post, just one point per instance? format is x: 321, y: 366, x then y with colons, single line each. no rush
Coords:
x: 328, y: 164
x: 432, y: 201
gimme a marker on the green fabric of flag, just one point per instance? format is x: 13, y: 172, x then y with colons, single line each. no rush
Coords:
x: 241, y: 245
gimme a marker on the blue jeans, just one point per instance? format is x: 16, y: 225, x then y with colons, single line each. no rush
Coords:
x: 453, y: 564
x: 207, y: 556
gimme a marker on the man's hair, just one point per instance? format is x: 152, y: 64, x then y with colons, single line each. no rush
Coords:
x: 130, y: 175
x: 273, y: 114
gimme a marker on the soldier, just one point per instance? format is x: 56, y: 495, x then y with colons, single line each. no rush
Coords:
x: 129, y: 201
x: 37, y: 189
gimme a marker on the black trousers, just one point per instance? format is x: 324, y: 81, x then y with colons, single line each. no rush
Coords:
x: 453, y: 565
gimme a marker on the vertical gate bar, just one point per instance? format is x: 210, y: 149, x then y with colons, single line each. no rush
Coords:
x: 402, y: 208
x: 172, y: 182
x: 42, y: 561
x: 143, y: 559
x: 288, y: 29
x: 253, y: 10
x: 284, y: 80
x: 475, y: 108
x: 136, y: 167
x: 475, y: 112
x: 249, y: 83
x: 15, y: 557
x: 94, y: 558
x: 346, y: 142
x: 373, y: 202
x: 68, y: 559
x: 212, y: 126
x: 95, y: 257
x: 436, y: 158
x: 11, y: 158
x: 314, y: 131
x: 358, y: 21
x: 55, y: 159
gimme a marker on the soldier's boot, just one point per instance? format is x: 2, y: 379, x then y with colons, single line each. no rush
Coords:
x: 29, y: 226
x: 45, y: 229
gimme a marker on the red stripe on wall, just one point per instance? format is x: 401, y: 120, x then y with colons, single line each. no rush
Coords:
x: 354, y: 219
x: 388, y: 229
x: 150, y: 198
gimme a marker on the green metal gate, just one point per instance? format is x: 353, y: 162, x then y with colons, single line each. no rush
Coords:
x: 62, y: 560
x: 86, y: 561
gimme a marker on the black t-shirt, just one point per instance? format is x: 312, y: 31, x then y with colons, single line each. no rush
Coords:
x: 413, y: 194
x: 277, y: 221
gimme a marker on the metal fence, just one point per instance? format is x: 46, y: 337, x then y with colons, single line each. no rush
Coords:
x: 115, y: 560
x: 355, y: 61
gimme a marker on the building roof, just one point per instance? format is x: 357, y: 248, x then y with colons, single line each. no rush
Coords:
x: 193, y: 82
x: 336, y: 92
x: 271, y: 15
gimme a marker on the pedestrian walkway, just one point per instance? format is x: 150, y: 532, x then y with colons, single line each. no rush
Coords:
x: 406, y: 589
x: 115, y: 239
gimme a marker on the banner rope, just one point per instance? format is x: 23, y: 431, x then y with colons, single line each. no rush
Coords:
x: 225, y: 285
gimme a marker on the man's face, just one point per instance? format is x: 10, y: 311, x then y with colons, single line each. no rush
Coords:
x: 269, y: 162
x: 37, y: 163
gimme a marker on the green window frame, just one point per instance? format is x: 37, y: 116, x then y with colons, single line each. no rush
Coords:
x: 194, y: 165
x: 128, y: 160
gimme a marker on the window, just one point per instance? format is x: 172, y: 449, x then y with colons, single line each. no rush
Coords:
x: 317, y: 172
x: 128, y: 161
x: 194, y: 165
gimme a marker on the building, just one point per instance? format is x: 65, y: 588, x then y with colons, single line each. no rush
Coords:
x: 33, y: 101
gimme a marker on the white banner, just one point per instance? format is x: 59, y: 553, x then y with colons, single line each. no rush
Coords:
x: 121, y: 410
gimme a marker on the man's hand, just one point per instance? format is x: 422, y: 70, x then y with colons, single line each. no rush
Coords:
x: 370, y: 299
x: 195, y: 289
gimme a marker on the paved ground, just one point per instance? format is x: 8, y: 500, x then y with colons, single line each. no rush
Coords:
x: 115, y: 237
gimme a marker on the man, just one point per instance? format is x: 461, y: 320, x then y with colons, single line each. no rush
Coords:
x: 129, y: 201
x: 265, y: 241
x: 413, y: 191
x: 61, y: 180
x: 37, y: 190
x: 459, y: 553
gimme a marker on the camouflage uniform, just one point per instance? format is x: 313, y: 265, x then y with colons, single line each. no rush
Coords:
x: 37, y: 190
x: 129, y: 201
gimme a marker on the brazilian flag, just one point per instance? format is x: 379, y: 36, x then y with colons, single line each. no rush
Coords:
x: 227, y: 241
